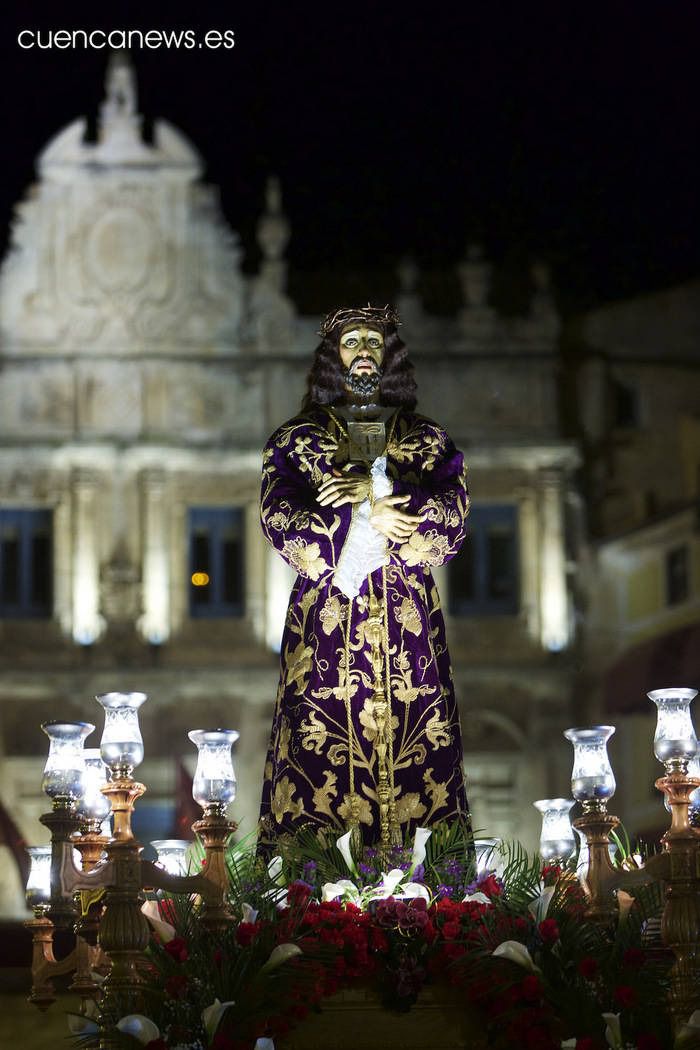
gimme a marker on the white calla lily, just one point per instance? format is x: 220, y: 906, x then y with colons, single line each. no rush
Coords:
x: 274, y: 869
x: 143, y: 1029
x: 343, y: 844
x: 79, y: 1024
x: 278, y: 897
x: 419, y: 840
x: 540, y: 906
x: 280, y: 955
x: 691, y: 1027
x: 165, y: 931
x: 264, y: 1044
x: 344, y: 888
x: 390, y: 881
x: 568, y: 1044
x: 416, y: 889
x: 212, y: 1014
x: 477, y: 898
x: 517, y: 953
x: 613, y: 1031
x: 250, y: 913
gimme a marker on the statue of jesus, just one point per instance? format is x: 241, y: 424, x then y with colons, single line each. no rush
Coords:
x: 362, y: 497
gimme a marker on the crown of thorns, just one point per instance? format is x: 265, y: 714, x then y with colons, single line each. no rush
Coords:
x: 381, y: 315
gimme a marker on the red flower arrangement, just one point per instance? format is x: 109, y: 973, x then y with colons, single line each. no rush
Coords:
x: 555, y: 981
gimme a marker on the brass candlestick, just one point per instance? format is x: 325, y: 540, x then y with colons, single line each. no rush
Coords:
x: 62, y: 822
x: 679, y: 867
x: 45, y: 967
x: 123, y: 930
x: 596, y: 825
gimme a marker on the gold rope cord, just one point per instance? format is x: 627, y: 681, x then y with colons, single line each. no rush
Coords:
x: 393, y: 823
x: 353, y: 821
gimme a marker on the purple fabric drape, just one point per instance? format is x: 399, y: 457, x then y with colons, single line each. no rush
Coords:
x: 323, y: 724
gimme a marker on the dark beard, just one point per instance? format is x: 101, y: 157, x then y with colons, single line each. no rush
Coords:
x: 362, y: 386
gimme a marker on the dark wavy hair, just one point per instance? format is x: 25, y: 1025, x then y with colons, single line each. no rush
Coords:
x: 325, y: 385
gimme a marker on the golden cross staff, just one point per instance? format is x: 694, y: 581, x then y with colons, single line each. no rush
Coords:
x: 381, y: 712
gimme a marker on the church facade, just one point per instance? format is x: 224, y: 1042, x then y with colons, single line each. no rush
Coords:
x: 141, y: 374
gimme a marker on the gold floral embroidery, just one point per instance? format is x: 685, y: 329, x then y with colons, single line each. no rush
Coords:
x: 368, y: 721
x: 409, y: 807
x: 282, y: 800
x: 364, y: 811
x: 315, y: 734
x: 332, y: 614
x: 437, y: 731
x: 337, y: 754
x: 298, y: 664
x: 323, y: 795
x: 435, y: 791
x: 278, y: 521
x: 283, y: 739
x: 408, y: 616
x: 428, y: 548
x: 305, y: 557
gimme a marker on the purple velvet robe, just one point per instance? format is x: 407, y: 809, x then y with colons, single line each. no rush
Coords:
x: 307, y: 769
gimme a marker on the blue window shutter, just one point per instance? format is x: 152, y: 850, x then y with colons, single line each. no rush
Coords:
x: 217, y: 549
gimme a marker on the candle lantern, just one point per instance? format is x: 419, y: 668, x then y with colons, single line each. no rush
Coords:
x: 172, y: 855
x: 557, y: 837
x: 122, y: 744
x: 38, y: 891
x: 64, y: 772
x: 592, y: 779
x: 94, y: 807
x: 214, y: 784
x: 675, y: 743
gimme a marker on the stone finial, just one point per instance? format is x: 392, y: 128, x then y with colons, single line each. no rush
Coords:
x: 475, y: 277
x: 120, y: 123
x: 120, y: 84
x: 273, y: 229
x: 120, y: 103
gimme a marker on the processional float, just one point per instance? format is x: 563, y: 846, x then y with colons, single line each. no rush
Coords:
x: 101, y: 897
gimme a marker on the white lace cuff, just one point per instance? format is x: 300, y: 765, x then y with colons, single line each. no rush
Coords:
x: 364, y: 549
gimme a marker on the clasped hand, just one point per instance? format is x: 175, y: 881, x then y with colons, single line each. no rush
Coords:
x: 387, y: 517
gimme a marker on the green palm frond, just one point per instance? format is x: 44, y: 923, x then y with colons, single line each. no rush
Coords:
x: 320, y: 848
x: 522, y: 874
x: 453, y: 841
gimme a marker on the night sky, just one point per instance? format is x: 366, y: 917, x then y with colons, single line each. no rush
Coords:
x: 567, y: 132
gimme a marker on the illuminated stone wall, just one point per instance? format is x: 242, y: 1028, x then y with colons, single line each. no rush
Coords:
x: 141, y: 374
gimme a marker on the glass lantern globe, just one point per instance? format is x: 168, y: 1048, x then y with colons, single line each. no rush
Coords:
x: 557, y: 840
x: 64, y: 772
x: 592, y: 779
x: 675, y: 742
x: 38, y: 891
x: 94, y: 807
x: 488, y: 856
x: 121, y: 746
x: 214, y: 784
x: 172, y: 855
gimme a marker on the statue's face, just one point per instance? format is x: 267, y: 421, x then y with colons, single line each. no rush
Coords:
x: 361, y: 352
x: 362, y: 347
